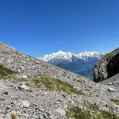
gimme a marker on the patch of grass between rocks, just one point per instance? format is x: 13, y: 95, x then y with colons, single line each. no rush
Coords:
x: 54, y: 84
x: 115, y: 101
x: 4, y: 71
x: 92, y: 112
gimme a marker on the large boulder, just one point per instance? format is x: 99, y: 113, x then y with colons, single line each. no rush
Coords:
x: 107, y: 66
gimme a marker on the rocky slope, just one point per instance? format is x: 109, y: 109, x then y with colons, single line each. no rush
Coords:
x: 82, y: 63
x: 33, y: 89
x: 107, y: 67
x: 114, y: 80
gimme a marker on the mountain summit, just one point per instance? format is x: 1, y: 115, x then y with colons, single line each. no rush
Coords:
x: 82, y: 63
x: 58, y: 55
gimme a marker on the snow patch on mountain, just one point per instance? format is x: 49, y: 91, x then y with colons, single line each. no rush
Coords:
x: 68, y: 56
x: 58, y: 55
x: 85, y: 55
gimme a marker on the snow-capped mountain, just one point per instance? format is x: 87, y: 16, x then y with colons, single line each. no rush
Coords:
x: 86, y: 55
x: 59, y: 55
x: 82, y: 63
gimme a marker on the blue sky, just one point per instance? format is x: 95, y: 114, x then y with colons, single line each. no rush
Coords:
x: 39, y: 27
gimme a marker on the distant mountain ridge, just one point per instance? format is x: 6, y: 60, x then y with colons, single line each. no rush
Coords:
x: 82, y: 63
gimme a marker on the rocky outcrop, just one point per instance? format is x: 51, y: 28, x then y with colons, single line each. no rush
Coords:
x: 107, y: 67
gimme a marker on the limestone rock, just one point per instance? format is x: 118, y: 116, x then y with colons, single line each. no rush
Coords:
x: 25, y: 103
x: 107, y: 67
x: 111, y: 89
x: 61, y: 111
x: 22, y: 76
x: 23, y: 87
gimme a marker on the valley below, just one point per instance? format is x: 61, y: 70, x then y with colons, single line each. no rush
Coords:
x: 82, y: 63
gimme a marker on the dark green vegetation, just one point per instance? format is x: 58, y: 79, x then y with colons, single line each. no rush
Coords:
x: 76, y: 112
x: 4, y: 71
x: 93, y: 112
x: 115, y: 101
x: 110, y: 107
x: 54, y: 84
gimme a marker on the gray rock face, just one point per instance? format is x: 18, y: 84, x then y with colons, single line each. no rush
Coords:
x: 107, y: 67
